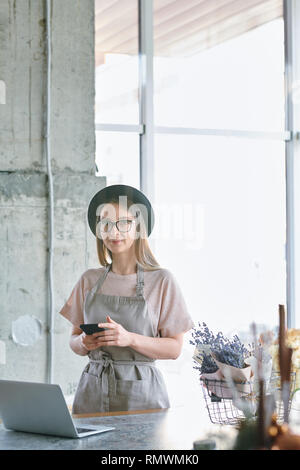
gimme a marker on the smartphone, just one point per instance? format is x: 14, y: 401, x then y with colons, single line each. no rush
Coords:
x: 90, y: 328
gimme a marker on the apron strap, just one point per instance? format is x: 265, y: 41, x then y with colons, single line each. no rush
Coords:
x: 107, y: 374
x: 140, y: 281
x: 99, y: 283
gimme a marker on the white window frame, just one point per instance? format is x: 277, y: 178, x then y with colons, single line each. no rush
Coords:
x: 291, y: 136
x: 292, y: 156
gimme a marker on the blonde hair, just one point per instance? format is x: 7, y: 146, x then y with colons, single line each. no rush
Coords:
x: 143, y: 251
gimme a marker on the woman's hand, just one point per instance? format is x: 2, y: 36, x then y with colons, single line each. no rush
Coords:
x: 116, y: 335
x: 90, y: 342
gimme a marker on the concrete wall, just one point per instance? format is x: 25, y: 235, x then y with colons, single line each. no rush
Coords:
x: 24, y: 192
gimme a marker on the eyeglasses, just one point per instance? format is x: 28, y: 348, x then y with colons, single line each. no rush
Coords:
x: 123, y: 225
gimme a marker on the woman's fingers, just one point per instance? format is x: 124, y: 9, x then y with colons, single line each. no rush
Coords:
x: 89, y: 341
x: 103, y: 333
x: 108, y: 343
x: 107, y: 338
x: 101, y: 338
x: 107, y: 325
x: 98, y: 334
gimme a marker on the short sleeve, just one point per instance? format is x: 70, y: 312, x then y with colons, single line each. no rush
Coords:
x: 73, y: 308
x: 174, y: 316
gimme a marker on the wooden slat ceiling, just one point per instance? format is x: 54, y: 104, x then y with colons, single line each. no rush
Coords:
x: 181, y: 27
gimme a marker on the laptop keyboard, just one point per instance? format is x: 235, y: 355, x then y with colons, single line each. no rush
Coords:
x: 79, y: 430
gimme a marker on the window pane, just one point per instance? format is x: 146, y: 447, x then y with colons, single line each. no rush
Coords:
x: 211, y: 71
x: 117, y: 157
x: 220, y: 226
x: 116, y: 54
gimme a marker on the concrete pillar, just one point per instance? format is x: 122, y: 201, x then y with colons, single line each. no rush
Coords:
x: 24, y: 196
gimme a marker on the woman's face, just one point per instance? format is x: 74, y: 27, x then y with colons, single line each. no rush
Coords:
x: 117, y: 241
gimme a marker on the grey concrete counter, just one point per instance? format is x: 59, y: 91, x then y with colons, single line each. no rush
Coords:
x: 172, y: 429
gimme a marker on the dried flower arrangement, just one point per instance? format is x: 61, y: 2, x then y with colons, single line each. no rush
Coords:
x: 211, y: 349
x: 266, y: 433
x: 216, y: 356
x: 292, y: 340
x: 213, y: 352
x: 219, y: 357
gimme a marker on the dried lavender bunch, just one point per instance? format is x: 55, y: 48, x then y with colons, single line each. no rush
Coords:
x: 203, y: 336
x: 208, y: 365
x: 228, y: 351
x: 232, y: 352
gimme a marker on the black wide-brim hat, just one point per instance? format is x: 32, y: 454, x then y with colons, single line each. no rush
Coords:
x: 105, y: 195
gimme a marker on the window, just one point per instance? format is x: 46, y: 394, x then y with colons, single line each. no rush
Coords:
x: 223, y: 232
x: 117, y: 91
x: 200, y: 115
x: 235, y: 85
x: 234, y: 91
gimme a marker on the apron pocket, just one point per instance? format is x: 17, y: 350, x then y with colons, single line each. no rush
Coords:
x: 87, y: 398
x: 136, y: 395
x: 132, y: 387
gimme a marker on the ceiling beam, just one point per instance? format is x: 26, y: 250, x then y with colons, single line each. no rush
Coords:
x: 255, y: 16
x: 195, y: 24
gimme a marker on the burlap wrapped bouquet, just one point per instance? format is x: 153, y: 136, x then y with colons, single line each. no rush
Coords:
x: 216, y: 355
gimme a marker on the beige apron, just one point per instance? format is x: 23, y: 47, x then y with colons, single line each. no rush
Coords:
x: 119, y: 378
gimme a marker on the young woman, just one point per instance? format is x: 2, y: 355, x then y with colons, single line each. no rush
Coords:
x: 139, y: 304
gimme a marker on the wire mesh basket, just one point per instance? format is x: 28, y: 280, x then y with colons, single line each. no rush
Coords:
x: 222, y: 407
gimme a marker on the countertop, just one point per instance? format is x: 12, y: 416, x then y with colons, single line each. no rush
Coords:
x: 175, y: 428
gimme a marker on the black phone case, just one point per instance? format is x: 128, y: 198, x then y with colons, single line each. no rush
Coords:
x: 90, y: 328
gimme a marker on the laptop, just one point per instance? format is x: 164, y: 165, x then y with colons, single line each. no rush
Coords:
x: 40, y: 408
